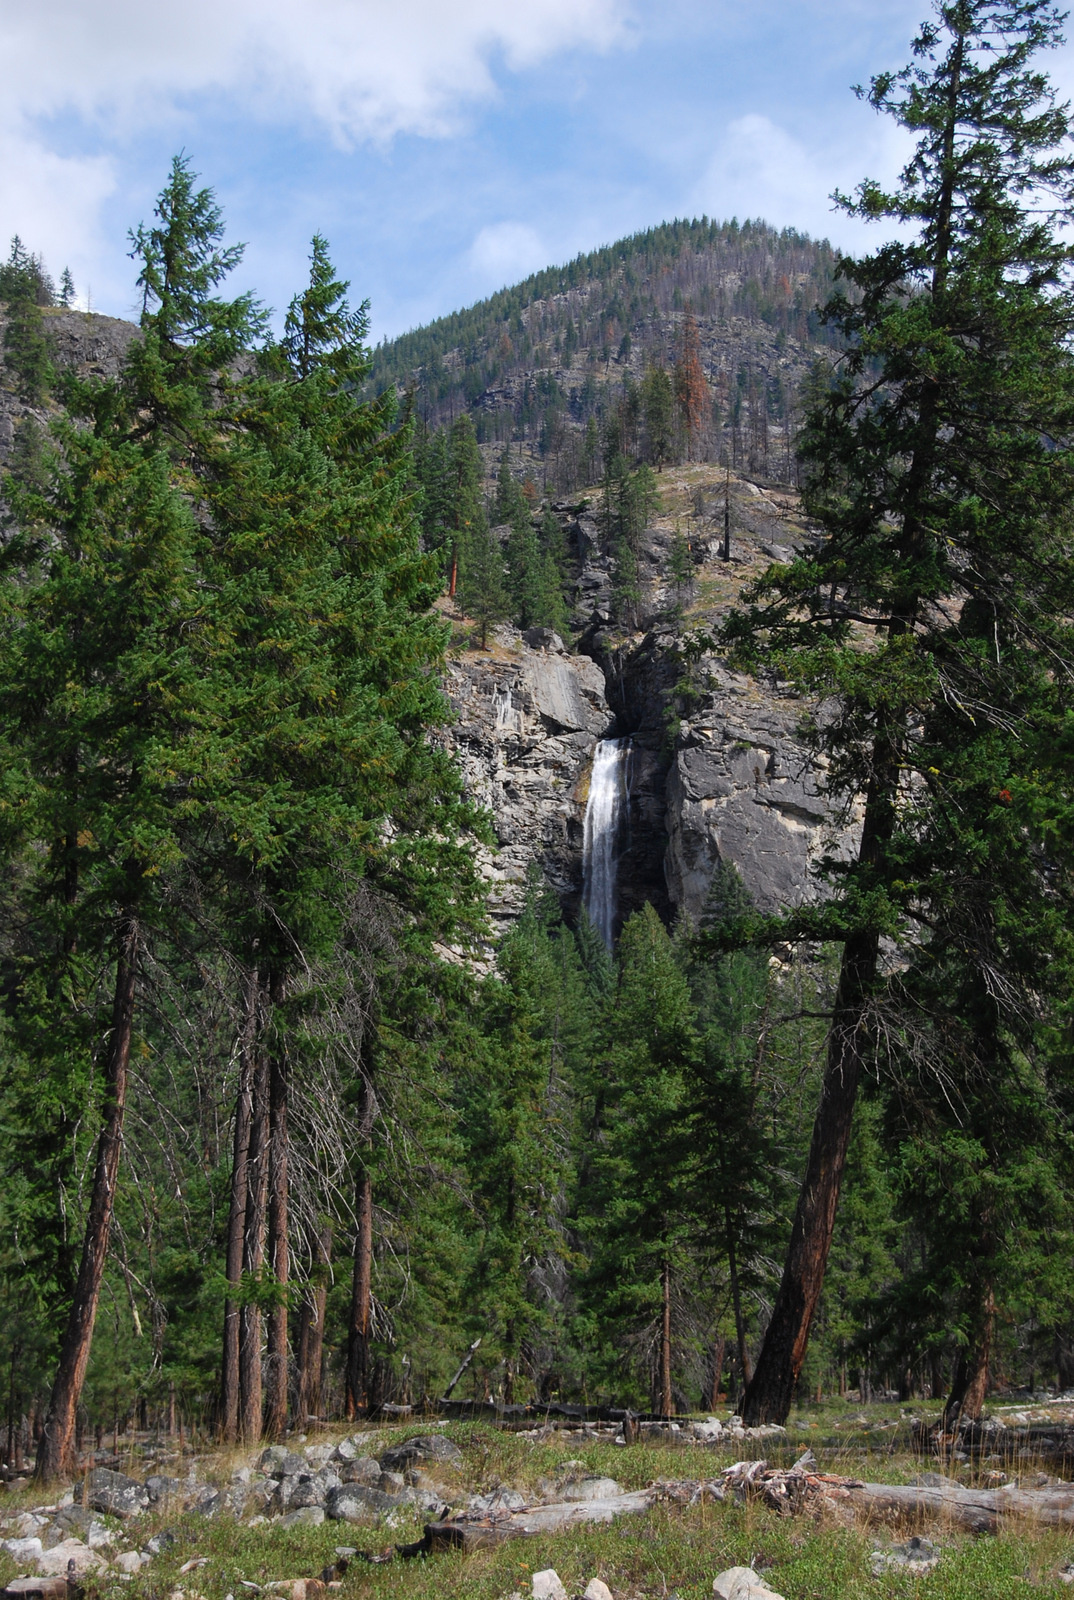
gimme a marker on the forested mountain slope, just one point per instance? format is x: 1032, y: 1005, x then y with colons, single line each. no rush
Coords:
x: 538, y: 362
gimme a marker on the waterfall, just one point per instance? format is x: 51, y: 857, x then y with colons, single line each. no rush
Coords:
x: 609, y: 789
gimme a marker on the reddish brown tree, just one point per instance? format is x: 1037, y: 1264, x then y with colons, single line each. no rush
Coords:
x: 57, y: 1453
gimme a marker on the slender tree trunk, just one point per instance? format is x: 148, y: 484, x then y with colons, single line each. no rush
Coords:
x: 229, y: 1374
x: 358, y: 1338
x: 310, y: 1356
x: 358, y: 1374
x: 277, y: 1367
x: 718, y: 1349
x: 970, y: 1382
x: 665, y: 1340
x: 56, y: 1454
x: 253, y: 1252
x: 769, y: 1395
x: 736, y: 1300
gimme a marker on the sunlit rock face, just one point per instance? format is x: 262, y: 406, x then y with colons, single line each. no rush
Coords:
x: 528, y: 718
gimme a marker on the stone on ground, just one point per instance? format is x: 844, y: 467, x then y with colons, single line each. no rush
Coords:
x: 114, y: 1494
x: 597, y: 1589
x: 591, y: 1489
x: 423, y: 1447
x: 742, y: 1583
x: 547, y: 1585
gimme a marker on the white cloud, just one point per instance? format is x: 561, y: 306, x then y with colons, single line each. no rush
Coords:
x: 504, y: 252
x: 359, y: 69
x: 760, y: 170
x: 365, y: 68
x: 52, y: 201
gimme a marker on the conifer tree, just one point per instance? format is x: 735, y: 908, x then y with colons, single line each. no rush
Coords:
x: 935, y: 472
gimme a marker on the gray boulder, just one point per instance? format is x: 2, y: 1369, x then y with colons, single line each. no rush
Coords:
x: 364, y: 1470
x: 592, y: 1488
x: 114, y: 1494
x: 303, y: 1517
x: 207, y: 1502
x: 160, y: 1489
x: 354, y: 1502
x: 423, y: 1447
x: 306, y: 1492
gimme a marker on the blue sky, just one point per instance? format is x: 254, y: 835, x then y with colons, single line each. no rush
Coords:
x: 444, y: 148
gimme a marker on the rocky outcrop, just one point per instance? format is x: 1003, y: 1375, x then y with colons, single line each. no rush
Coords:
x: 528, y: 716
x: 742, y: 790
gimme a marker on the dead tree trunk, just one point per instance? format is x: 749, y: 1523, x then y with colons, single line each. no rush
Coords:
x: 310, y: 1352
x: 665, y: 1339
x: 57, y: 1452
x: 277, y: 1366
x: 360, y: 1326
x: 229, y: 1373
x: 253, y: 1253
x: 361, y: 1293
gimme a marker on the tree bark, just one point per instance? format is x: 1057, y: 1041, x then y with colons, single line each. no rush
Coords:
x: 229, y: 1373
x: 359, y: 1328
x: 310, y: 1354
x: 56, y: 1454
x: 736, y: 1300
x: 358, y: 1337
x: 770, y: 1393
x: 277, y: 1365
x: 253, y: 1253
x: 665, y: 1340
x: 969, y: 1384
x: 718, y: 1349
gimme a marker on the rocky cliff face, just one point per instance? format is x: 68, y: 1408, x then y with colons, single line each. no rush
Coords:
x: 529, y: 716
x: 716, y: 773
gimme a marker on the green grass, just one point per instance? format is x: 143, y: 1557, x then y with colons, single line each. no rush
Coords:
x: 669, y: 1550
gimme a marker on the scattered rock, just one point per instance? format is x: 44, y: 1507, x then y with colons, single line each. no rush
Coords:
x: 22, y: 1549
x: 271, y: 1460
x: 361, y: 1470
x: 56, y: 1563
x: 208, y: 1501
x: 711, y: 1431
x: 497, y: 1500
x: 355, y: 1503
x: 597, y: 1589
x: 917, y: 1556
x: 303, y: 1517
x: 391, y: 1482
x: 114, y: 1494
x: 742, y: 1583
x: 547, y: 1585
x: 591, y: 1488
x: 161, y: 1489
x: 70, y: 1519
x: 131, y: 1561
x: 423, y: 1447
x: 162, y: 1541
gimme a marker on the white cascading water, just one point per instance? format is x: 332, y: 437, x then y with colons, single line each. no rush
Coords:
x: 609, y: 790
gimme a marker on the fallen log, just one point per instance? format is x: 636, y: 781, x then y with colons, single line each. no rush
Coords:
x: 979, y: 1510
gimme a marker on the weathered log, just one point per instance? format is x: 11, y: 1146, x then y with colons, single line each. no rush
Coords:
x: 979, y: 1510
